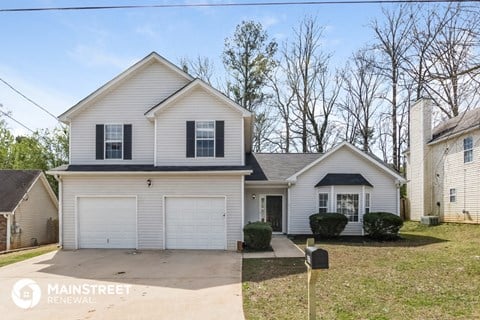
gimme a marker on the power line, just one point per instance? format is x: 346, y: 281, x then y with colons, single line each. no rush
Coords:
x: 230, y: 4
x: 28, y: 99
x: 18, y: 122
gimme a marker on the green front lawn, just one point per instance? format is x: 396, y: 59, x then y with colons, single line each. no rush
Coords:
x: 9, y: 258
x: 432, y: 273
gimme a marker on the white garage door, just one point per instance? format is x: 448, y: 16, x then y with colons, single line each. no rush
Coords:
x: 195, y: 223
x: 107, y: 222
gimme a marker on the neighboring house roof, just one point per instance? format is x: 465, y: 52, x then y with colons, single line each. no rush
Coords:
x: 277, y: 166
x: 463, y: 122
x: 374, y: 160
x: 16, y: 184
x: 343, y: 179
x: 65, y: 117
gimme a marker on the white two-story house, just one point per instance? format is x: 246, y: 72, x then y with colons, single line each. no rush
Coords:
x: 159, y: 160
x: 443, y: 165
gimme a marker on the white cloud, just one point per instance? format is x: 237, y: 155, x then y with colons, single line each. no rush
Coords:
x: 94, y: 56
x: 147, y: 30
x: 269, y: 21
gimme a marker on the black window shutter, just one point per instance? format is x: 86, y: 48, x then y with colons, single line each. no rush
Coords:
x: 99, y: 142
x: 190, y: 139
x: 219, y: 139
x: 127, y: 142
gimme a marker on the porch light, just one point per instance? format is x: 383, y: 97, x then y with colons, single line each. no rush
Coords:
x: 254, y: 196
x: 149, y: 182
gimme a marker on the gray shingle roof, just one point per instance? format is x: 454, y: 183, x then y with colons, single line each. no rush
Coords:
x: 464, y: 121
x: 13, y: 186
x: 277, y: 166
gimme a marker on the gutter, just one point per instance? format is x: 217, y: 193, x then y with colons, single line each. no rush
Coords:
x: 166, y: 173
x: 60, y: 209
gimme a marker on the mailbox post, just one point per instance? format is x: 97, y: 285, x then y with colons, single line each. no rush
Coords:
x: 315, y: 259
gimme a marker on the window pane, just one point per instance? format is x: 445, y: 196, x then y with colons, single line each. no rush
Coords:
x: 347, y: 204
x: 322, y: 199
x: 113, y: 132
x: 322, y: 210
x: 468, y: 156
x: 113, y: 150
x: 204, y: 148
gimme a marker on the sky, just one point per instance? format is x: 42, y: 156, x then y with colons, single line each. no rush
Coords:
x: 57, y: 58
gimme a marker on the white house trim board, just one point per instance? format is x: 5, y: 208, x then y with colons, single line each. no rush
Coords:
x: 152, y: 57
x: 78, y: 197
x: 351, y: 147
x: 188, y: 88
x: 153, y: 173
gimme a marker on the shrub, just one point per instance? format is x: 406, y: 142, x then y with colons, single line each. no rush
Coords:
x: 328, y: 225
x: 382, y: 225
x: 257, y: 235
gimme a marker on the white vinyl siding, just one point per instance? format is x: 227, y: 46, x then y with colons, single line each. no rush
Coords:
x: 125, y: 103
x: 150, y: 201
x: 304, y: 197
x: 448, y: 163
x: 197, y: 105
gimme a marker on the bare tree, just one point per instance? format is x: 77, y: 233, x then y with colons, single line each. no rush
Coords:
x: 282, y: 102
x: 200, y: 67
x: 362, y: 86
x: 308, y: 78
x: 453, y: 77
x: 392, y: 43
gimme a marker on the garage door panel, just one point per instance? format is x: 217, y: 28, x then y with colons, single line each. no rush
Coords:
x: 195, y: 223
x: 107, y: 222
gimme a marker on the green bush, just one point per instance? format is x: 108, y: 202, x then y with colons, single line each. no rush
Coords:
x: 257, y: 235
x: 328, y: 225
x: 382, y: 225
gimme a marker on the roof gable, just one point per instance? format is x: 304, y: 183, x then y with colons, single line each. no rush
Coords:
x: 125, y: 75
x: 197, y: 83
x: 14, y: 186
x: 377, y: 163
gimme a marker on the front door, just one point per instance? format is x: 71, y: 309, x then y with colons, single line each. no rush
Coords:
x: 274, y: 212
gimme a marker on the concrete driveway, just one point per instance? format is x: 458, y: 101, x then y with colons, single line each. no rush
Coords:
x: 119, y: 284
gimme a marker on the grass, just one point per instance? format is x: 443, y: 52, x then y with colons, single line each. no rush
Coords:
x: 431, y: 273
x: 9, y: 258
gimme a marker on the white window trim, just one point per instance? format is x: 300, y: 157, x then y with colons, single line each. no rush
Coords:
x: 214, y: 139
x: 105, y: 141
x: 470, y: 150
x: 358, y: 208
x: 318, y: 200
x: 369, y: 202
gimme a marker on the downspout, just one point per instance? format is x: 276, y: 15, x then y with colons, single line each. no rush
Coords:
x: 9, y: 230
x: 60, y: 211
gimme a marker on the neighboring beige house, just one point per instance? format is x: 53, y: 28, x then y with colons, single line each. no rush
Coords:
x: 160, y: 160
x: 28, y: 208
x: 443, y: 165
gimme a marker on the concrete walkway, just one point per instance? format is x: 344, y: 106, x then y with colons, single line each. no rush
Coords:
x: 282, y: 248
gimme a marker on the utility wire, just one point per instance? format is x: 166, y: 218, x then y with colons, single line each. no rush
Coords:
x: 28, y: 99
x: 229, y: 4
x: 18, y: 122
